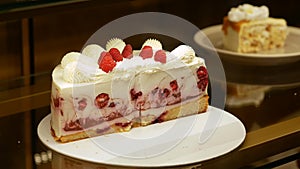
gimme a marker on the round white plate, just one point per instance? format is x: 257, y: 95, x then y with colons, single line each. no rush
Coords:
x: 289, y: 53
x: 227, y: 135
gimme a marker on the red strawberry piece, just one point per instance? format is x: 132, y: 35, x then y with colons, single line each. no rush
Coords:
x: 56, y: 102
x: 115, y: 53
x: 127, y: 51
x: 202, y: 73
x: 160, y: 56
x: 166, y: 92
x: 146, y: 52
x: 202, y: 84
x: 112, y: 104
x: 102, y: 100
x: 174, y: 85
x: 134, y: 94
x: 106, y: 62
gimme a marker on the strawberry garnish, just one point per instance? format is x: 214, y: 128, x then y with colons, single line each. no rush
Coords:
x: 127, y: 51
x: 106, y: 62
x: 160, y: 56
x: 146, y: 52
x: 116, y: 55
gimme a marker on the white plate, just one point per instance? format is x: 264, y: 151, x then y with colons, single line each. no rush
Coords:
x: 289, y: 53
x: 228, y: 135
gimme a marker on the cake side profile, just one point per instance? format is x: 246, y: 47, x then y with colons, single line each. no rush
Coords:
x: 249, y: 29
x: 101, y: 91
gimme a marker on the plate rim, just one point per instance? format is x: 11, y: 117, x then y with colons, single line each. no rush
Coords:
x: 47, y: 118
x: 213, y: 29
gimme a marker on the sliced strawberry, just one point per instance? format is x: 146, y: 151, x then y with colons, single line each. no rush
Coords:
x: 127, y: 51
x: 160, y: 56
x: 106, y: 62
x: 101, y: 100
x: 202, y: 73
x: 174, y: 85
x: 146, y: 52
x: 115, y: 53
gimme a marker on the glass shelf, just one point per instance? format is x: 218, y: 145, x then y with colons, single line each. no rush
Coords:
x: 28, y: 92
x: 271, y: 123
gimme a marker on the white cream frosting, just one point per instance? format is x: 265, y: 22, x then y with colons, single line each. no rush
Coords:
x: 78, y: 57
x: 248, y: 12
x: 77, y: 72
x: 80, y: 68
x: 70, y: 57
x: 93, y: 51
x: 135, y: 63
x: 185, y: 53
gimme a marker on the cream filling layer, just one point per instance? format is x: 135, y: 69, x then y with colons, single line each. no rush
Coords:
x: 191, y: 105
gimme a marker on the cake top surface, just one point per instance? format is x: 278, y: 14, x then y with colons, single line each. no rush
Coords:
x: 247, y: 12
x: 95, y: 63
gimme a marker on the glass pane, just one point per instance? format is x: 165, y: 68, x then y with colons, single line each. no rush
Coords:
x: 10, y: 49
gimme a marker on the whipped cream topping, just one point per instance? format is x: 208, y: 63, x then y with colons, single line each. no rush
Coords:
x: 135, y: 63
x: 78, y: 57
x: 77, y: 72
x: 83, y: 67
x: 248, y: 12
x: 93, y: 51
x: 183, y: 52
x: 80, y: 68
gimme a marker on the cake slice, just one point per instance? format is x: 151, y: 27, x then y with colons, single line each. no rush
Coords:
x: 102, y: 91
x: 249, y: 29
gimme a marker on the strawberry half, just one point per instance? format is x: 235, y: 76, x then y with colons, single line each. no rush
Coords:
x: 106, y: 62
x: 127, y: 51
x: 146, y: 52
x: 116, y: 55
x: 160, y: 56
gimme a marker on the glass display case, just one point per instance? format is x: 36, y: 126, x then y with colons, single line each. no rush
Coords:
x: 36, y: 34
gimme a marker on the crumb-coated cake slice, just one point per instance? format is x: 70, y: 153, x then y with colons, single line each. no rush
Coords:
x: 100, y: 91
x: 249, y: 29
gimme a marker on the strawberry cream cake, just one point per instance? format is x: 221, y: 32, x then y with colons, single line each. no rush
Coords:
x: 100, y: 91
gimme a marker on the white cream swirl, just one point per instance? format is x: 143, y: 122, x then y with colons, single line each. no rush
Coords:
x: 78, y: 57
x: 77, y: 72
x: 69, y: 57
x: 248, y: 12
x: 80, y: 68
x: 93, y: 50
x: 183, y: 52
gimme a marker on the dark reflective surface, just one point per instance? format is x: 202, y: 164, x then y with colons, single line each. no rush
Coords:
x: 257, y: 105
x: 265, y: 98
